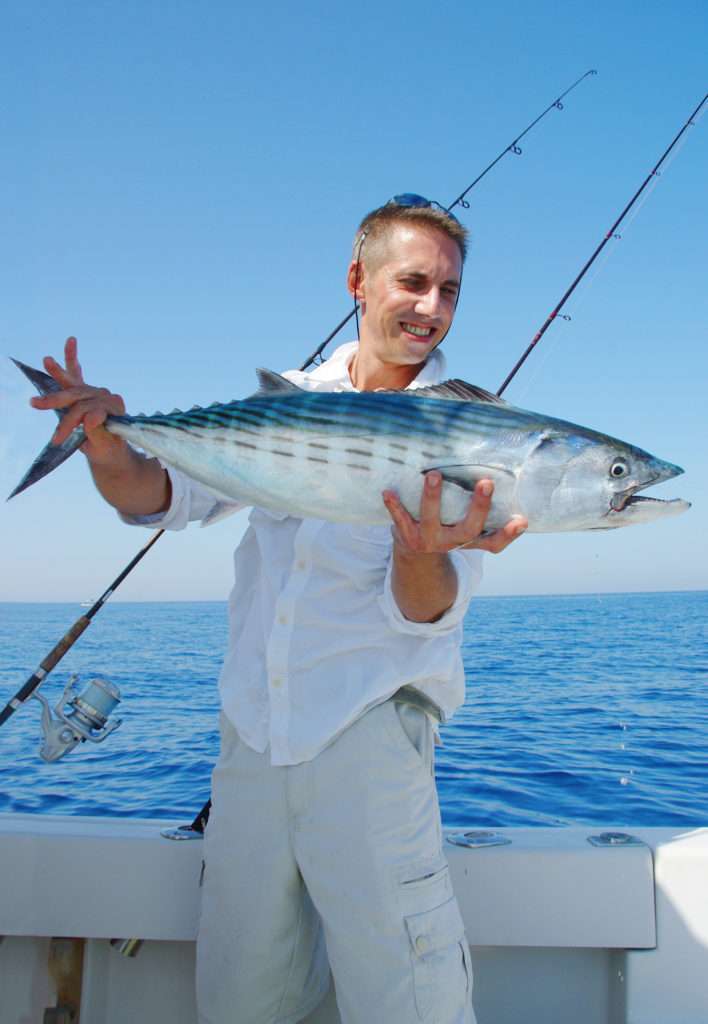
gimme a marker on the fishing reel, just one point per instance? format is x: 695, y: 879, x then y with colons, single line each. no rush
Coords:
x: 77, y: 717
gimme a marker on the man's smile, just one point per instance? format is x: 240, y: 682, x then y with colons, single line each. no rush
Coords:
x: 418, y: 331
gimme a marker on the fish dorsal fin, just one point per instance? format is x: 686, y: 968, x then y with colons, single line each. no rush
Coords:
x: 271, y: 383
x: 456, y: 390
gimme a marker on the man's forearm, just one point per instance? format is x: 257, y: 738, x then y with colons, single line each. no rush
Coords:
x: 132, y: 483
x: 424, y: 585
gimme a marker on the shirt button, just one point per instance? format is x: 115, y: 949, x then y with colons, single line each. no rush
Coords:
x: 421, y: 944
x: 277, y: 682
x: 283, y: 620
x: 301, y: 564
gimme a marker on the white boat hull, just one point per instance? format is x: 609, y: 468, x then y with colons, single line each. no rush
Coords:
x: 561, y: 931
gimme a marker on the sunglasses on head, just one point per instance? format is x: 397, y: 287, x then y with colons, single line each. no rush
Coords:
x: 413, y: 199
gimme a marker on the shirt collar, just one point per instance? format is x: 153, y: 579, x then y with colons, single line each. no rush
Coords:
x: 335, y: 371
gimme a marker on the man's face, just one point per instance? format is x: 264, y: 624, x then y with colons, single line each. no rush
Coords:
x: 408, y: 298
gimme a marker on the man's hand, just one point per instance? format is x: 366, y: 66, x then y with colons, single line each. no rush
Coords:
x: 424, y: 581
x: 133, y: 484
x: 85, y: 405
x: 428, y: 535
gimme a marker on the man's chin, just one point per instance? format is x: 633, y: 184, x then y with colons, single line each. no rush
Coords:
x: 417, y: 351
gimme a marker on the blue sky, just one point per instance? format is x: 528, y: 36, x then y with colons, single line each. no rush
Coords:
x: 180, y: 187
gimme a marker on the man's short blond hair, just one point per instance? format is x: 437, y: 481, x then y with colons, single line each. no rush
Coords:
x: 377, y: 226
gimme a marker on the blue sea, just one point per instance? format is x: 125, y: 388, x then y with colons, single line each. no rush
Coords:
x: 580, y: 709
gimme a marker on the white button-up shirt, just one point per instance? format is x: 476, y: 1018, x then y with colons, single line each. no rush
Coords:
x: 316, y: 637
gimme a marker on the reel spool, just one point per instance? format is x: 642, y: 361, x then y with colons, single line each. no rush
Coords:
x: 77, y: 717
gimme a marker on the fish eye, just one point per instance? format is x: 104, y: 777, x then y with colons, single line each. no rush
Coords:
x: 619, y: 469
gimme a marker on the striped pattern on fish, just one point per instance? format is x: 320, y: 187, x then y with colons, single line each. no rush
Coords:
x: 330, y: 455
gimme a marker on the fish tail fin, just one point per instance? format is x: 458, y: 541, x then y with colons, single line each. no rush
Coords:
x: 52, y: 455
x: 41, y: 380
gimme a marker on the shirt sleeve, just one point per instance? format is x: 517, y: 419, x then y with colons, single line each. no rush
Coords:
x: 468, y: 566
x: 190, y: 501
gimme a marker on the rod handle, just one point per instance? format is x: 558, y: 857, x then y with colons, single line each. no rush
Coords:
x: 70, y: 637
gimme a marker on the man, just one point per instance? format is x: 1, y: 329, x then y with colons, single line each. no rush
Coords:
x: 324, y: 844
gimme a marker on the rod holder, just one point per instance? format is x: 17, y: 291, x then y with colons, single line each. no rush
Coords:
x: 477, y: 839
x: 127, y: 947
x: 615, y: 839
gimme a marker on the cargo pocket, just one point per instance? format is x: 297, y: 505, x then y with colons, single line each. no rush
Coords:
x: 439, y: 958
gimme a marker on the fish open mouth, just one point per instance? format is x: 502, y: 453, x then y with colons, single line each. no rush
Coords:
x: 635, y: 499
x: 628, y: 500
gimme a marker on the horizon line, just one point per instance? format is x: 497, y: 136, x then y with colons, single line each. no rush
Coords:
x: 218, y: 600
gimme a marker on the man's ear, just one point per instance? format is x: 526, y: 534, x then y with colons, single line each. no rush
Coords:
x: 355, y: 280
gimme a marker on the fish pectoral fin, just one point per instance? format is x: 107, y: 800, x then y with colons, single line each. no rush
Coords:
x: 272, y: 383
x: 468, y: 476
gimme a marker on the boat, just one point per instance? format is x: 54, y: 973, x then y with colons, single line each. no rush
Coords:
x: 98, y: 918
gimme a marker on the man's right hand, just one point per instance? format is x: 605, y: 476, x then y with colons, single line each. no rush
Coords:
x: 129, y: 481
x: 85, y: 405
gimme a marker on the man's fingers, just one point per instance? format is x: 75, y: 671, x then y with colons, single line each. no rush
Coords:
x: 67, y: 397
x: 404, y: 525
x: 430, y: 507
x: 57, y: 371
x: 501, y: 539
x: 70, y: 375
x: 86, y: 412
x: 91, y: 410
x: 473, y: 523
x: 428, y: 535
x: 71, y: 357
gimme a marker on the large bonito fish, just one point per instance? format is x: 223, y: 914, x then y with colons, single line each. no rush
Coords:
x: 330, y: 455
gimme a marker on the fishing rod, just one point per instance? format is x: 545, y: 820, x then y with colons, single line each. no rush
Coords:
x: 612, y: 233
x: 90, y: 709
x: 513, y: 147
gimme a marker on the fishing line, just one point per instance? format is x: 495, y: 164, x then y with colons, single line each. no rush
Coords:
x: 597, y: 269
x: 612, y: 233
x: 513, y: 148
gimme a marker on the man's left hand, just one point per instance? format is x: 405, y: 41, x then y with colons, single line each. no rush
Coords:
x: 428, y: 535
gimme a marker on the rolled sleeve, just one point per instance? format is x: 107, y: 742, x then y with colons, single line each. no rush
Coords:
x: 189, y: 501
x: 468, y: 567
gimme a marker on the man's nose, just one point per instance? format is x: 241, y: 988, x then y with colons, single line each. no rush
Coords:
x: 428, y: 302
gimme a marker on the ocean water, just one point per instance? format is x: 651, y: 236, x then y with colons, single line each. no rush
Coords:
x: 580, y: 709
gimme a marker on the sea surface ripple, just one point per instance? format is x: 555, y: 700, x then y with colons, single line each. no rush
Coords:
x: 585, y: 709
